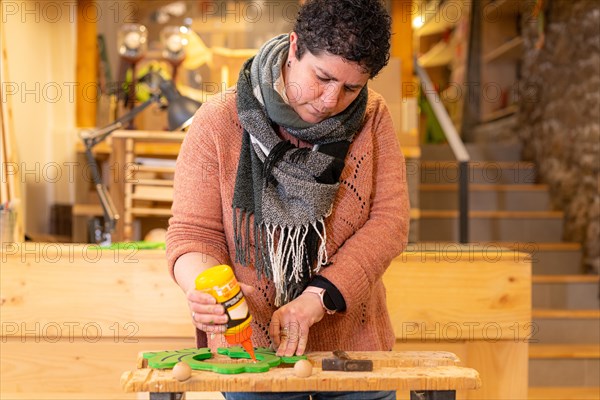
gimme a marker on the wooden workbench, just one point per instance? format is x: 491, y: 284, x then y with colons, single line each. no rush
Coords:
x: 434, y: 374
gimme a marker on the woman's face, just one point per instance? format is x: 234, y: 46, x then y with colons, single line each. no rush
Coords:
x: 319, y: 87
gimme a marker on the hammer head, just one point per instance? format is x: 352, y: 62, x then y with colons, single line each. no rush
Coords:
x: 341, y: 362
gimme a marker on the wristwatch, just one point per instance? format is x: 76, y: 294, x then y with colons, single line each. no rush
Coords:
x: 321, y: 293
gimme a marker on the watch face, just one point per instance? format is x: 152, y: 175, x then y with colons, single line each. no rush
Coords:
x: 322, y: 295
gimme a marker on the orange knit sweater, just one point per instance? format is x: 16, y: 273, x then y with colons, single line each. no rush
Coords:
x: 366, y: 230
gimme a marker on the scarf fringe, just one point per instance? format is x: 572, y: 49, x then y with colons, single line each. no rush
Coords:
x: 283, y: 258
x: 287, y: 250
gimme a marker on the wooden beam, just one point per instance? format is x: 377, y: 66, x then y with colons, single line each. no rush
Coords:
x: 87, y: 67
x: 402, y: 39
x: 10, y: 189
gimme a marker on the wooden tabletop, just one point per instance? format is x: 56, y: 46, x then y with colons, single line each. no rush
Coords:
x: 422, y: 370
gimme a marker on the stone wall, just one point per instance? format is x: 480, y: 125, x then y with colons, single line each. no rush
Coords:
x: 559, y: 115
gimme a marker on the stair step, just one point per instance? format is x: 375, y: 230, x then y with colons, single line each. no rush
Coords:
x: 564, y: 351
x: 549, y: 258
x: 565, y: 326
x: 567, y: 292
x: 493, y: 214
x: 564, y: 365
x: 490, y: 226
x: 565, y: 314
x: 566, y: 279
x: 564, y: 393
x: 486, y: 197
x: 480, y: 172
x: 477, y: 151
x: 559, y: 258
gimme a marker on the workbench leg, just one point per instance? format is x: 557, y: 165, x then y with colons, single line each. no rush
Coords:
x: 167, y: 396
x: 433, y: 395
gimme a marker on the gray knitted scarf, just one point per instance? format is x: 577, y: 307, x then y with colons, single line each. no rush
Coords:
x: 288, y: 191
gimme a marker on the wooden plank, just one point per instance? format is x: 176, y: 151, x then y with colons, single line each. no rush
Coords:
x: 87, y: 64
x: 402, y: 43
x: 94, y: 210
x: 564, y: 351
x: 504, y: 112
x: 284, y: 380
x: 380, y: 359
x: 158, y: 136
x: 482, y: 299
x: 152, y: 193
x: 511, y: 50
x: 483, y: 294
x: 459, y: 349
x: 79, y: 365
x: 154, y: 182
x: 395, y: 359
x: 102, y: 396
x: 489, y: 359
x: 141, y: 149
x: 503, y: 366
x: 147, y: 211
x: 71, y: 396
x: 147, y: 168
x: 120, y: 174
x: 437, y: 18
x: 49, y: 283
x: 11, y: 189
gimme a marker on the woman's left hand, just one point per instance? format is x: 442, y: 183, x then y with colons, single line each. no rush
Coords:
x: 290, y: 324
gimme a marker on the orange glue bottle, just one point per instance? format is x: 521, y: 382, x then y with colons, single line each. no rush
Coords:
x: 220, y: 282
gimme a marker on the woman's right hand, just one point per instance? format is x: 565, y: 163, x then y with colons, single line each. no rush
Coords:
x: 207, y: 315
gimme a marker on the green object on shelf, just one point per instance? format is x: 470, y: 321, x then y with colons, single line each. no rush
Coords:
x: 197, y: 359
x: 141, y: 245
x: 433, y: 130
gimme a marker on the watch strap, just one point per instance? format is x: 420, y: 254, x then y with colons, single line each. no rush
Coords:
x: 333, y: 299
x: 320, y: 292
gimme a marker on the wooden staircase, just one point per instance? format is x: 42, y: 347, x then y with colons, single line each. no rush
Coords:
x: 509, y: 208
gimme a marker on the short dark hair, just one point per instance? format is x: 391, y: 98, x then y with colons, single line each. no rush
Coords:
x: 357, y: 30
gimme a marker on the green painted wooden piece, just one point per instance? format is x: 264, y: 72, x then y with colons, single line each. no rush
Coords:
x: 195, y: 358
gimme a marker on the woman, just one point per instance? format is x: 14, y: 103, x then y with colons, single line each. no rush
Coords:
x: 296, y: 180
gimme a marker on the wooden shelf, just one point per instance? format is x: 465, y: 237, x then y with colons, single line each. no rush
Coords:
x: 444, y: 18
x: 147, y: 168
x: 500, y: 50
x: 511, y: 50
x: 147, y: 211
x: 499, y: 9
x: 92, y: 210
x: 505, y: 112
x: 439, y: 55
x: 147, y: 191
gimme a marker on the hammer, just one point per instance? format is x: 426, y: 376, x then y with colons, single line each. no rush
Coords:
x: 343, y: 362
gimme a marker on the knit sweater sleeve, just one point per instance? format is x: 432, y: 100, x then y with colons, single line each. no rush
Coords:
x: 197, y: 221
x: 358, y: 265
